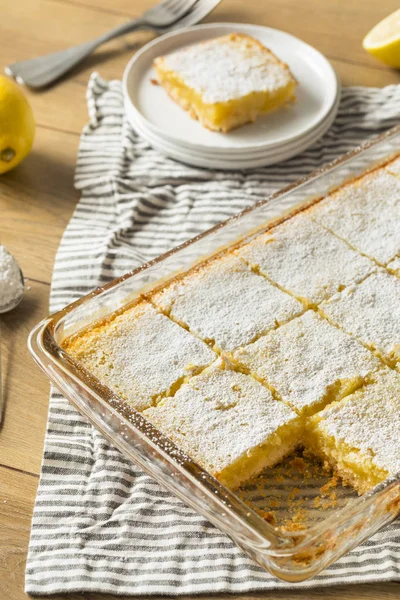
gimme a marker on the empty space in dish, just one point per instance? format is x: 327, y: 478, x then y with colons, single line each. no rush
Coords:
x: 296, y: 494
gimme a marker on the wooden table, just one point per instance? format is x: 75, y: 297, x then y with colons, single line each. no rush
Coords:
x: 37, y: 200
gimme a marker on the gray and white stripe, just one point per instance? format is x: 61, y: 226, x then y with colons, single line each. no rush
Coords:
x: 99, y: 523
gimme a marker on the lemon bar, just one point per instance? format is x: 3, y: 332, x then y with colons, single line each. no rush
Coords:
x: 371, y: 312
x: 226, y: 304
x: 140, y: 354
x: 229, y: 423
x: 366, y: 214
x: 359, y: 436
x: 308, y: 362
x: 305, y: 259
x: 226, y: 82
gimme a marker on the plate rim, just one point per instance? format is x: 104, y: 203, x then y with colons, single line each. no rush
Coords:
x: 312, y: 135
x: 241, y: 153
x: 210, y: 26
x: 261, y: 161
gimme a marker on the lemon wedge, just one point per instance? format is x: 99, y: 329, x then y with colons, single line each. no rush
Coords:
x: 383, y: 41
x: 17, y: 125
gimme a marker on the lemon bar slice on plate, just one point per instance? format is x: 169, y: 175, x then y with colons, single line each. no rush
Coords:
x: 225, y: 303
x: 305, y: 259
x: 370, y: 311
x: 226, y: 82
x: 140, y: 354
x: 359, y: 436
x: 229, y: 423
x: 366, y: 214
x: 308, y: 362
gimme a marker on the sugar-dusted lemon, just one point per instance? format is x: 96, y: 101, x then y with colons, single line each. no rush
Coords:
x: 17, y: 125
x: 383, y: 41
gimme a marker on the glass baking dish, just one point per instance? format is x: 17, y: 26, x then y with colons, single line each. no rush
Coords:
x: 290, y: 554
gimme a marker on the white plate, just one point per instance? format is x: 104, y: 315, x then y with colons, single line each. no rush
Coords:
x: 297, y: 145
x: 227, y: 164
x: 151, y: 105
x: 269, y: 157
x: 212, y: 154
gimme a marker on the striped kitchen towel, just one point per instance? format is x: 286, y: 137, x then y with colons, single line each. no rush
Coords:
x: 99, y: 523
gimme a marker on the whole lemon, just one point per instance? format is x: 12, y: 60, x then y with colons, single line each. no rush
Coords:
x: 17, y: 125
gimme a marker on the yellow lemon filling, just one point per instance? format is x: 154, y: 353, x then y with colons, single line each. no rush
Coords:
x: 350, y: 463
x: 224, y: 116
x: 253, y: 462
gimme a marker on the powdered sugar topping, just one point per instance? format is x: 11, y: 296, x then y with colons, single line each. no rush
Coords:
x: 141, y: 354
x: 225, y: 303
x: 219, y: 415
x: 222, y: 70
x: 306, y: 359
x: 366, y: 214
x: 305, y: 259
x: 371, y: 312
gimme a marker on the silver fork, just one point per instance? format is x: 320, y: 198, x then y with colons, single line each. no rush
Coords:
x: 165, y: 16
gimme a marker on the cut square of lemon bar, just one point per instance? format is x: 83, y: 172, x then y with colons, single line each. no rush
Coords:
x: 229, y: 423
x: 308, y: 362
x: 370, y: 311
x: 305, y: 259
x: 140, y: 354
x: 226, y: 304
x: 359, y: 436
x: 226, y: 82
x: 366, y: 214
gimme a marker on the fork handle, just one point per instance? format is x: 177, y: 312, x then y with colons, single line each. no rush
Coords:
x: 44, y: 70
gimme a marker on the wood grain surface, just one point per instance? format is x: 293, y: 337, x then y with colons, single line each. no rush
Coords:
x: 38, y: 197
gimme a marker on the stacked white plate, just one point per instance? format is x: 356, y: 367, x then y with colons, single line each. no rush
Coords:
x: 271, y: 139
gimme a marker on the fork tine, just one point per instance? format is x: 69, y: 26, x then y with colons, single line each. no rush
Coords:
x: 167, y: 12
x: 168, y: 4
x: 176, y: 6
x: 200, y: 10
